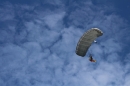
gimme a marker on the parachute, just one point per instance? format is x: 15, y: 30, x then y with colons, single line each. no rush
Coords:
x: 86, y: 40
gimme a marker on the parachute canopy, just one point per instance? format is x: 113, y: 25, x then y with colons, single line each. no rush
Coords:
x: 86, y: 40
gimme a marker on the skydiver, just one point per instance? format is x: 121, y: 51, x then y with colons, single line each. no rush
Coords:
x: 91, y: 58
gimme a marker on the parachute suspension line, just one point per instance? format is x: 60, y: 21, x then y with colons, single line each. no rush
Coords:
x: 90, y: 52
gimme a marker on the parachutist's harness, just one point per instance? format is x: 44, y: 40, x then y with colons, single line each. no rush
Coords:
x: 91, y: 58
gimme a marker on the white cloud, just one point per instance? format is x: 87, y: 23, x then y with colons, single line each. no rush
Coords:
x: 52, y: 20
x: 42, y: 49
x: 7, y: 13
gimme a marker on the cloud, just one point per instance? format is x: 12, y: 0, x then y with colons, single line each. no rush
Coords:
x: 53, y: 20
x: 38, y: 44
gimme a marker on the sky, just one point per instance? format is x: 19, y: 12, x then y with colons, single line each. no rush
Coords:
x: 38, y: 40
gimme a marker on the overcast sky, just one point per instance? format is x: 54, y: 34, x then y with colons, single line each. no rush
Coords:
x: 38, y: 41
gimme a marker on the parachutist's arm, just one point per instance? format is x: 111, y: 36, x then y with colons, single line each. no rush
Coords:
x: 90, y: 57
